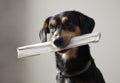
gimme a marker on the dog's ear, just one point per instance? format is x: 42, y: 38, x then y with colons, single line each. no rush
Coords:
x: 86, y: 23
x: 43, y: 32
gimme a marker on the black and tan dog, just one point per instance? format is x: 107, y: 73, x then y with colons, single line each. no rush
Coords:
x: 75, y: 65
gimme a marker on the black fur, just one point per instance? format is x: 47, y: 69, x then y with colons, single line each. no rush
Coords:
x: 92, y: 75
x: 78, y: 63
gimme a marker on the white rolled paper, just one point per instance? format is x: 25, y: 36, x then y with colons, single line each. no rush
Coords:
x: 41, y: 48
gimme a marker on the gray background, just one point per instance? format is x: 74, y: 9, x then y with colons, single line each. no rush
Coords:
x: 21, y: 20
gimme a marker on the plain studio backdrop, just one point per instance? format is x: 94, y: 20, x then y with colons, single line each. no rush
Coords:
x: 21, y: 20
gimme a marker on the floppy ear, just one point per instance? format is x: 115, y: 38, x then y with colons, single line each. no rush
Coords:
x: 43, y: 32
x: 86, y: 23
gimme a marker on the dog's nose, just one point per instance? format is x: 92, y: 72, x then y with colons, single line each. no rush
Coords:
x: 59, y: 42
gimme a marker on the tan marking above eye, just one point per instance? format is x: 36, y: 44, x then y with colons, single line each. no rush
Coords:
x: 64, y: 19
x: 54, y: 23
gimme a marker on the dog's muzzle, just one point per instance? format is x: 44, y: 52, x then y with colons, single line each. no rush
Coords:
x: 60, y: 43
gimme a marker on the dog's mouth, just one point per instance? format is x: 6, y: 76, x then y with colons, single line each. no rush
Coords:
x: 63, y: 51
x: 61, y: 43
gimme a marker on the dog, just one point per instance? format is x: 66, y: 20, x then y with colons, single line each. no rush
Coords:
x: 75, y: 65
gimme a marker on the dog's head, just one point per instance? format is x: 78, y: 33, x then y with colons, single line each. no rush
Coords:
x: 62, y: 27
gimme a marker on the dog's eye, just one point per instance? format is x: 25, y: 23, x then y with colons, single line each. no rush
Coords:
x: 68, y: 23
x: 51, y: 26
x: 69, y: 26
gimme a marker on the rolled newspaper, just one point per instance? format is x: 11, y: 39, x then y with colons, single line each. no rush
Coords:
x: 42, y: 48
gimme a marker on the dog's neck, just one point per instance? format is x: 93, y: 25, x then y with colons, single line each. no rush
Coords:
x: 81, y: 62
